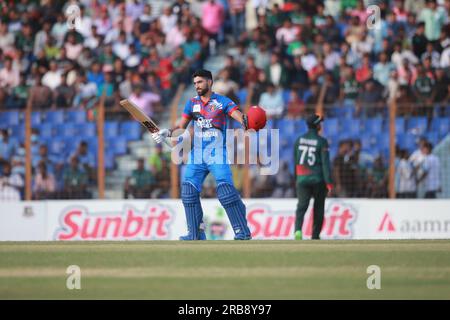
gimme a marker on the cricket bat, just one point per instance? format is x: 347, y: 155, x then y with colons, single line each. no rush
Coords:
x: 140, y: 116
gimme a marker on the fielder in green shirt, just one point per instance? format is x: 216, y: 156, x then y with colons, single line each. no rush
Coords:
x: 313, y: 175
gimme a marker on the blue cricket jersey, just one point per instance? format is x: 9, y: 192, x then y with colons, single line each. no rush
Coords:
x: 209, y: 119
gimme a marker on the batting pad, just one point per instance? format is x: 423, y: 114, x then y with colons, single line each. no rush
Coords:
x: 193, y: 210
x: 235, y: 208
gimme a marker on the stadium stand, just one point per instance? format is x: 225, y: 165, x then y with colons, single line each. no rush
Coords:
x: 299, y: 46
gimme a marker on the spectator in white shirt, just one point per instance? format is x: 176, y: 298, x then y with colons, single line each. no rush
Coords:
x: 406, y: 177
x: 6, y: 38
x: 431, y: 172
x: 224, y: 85
x: 287, y: 33
x: 272, y: 101
x: 44, y: 183
x: 41, y: 37
x: 125, y: 20
x: 93, y: 41
x: 7, y: 147
x: 73, y: 49
x: 445, y: 58
x: 86, y: 92
x: 331, y: 57
x: 134, y: 8
x: 83, y: 25
x: 9, y: 77
x: 103, y: 23
x: 121, y: 47
x: 52, y: 78
x: 113, y: 34
x: 59, y: 29
x: 146, y: 18
x: 168, y: 20
x: 10, y: 184
x: 432, y: 54
x: 400, y: 55
x: 309, y: 59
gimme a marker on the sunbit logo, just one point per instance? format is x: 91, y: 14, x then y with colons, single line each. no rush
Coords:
x: 77, y: 223
x: 267, y: 223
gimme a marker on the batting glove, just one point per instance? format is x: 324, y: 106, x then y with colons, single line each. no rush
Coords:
x: 160, y: 135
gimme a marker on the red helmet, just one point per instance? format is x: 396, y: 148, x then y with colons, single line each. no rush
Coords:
x: 256, y: 118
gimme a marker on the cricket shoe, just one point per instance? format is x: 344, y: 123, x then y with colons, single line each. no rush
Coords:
x: 202, y: 235
x: 298, y: 235
x: 189, y: 236
x: 242, y: 237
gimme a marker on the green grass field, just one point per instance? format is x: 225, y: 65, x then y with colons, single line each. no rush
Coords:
x: 226, y: 270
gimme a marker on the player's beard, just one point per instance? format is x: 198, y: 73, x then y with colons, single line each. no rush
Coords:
x: 202, y: 92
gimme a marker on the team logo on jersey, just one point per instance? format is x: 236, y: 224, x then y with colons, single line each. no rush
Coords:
x: 204, y: 123
x: 196, y: 108
x: 215, y: 105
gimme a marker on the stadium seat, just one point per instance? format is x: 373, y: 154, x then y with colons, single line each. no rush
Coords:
x: 433, y: 137
x: 399, y: 125
x: 93, y: 146
x: 287, y: 154
x: 286, y: 96
x: 58, y: 146
x: 368, y: 140
x: 383, y: 140
x: 373, y: 125
x: 67, y: 130
x: 36, y: 119
x: 385, y: 154
x: 407, y: 141
x: 55, y: 117
x: 131, y: 130
x: 300, y: 127
x: 111, y: 129
x: 286, y: 126
x: 109, y: 160
x: 15, y: 141
x: 347, y: 111
x: 18, y: 131
x: 87, y: 130
x: 46, y: 130
x: 417, y: 125
x: 441, y: 126
x: 242, y: 96
x: 10, y: 118
x: 333, y: 153
x: 118, y: 145
x: 330, y: 127
x: 352, y: 126
x: 76, y: 116
x: 72, y: 143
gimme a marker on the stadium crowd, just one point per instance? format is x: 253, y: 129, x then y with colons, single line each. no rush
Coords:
x: 284, y: 52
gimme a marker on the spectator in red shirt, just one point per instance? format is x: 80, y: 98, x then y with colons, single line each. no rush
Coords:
x: 251, y: 74
x: 295, y: 107
x: 363, y: 73
x: 164, y: 73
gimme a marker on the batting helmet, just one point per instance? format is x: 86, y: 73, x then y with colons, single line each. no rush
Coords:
x: 256, y: 118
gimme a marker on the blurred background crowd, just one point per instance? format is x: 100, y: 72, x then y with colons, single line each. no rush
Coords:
x: 287, y: 56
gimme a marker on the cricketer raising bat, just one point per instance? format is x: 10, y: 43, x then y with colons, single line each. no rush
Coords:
x: 140, y: 116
